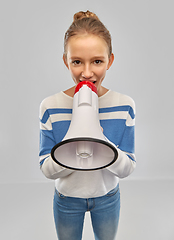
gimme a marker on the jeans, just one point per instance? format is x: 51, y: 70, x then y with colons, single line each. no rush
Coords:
x: 69, y: 215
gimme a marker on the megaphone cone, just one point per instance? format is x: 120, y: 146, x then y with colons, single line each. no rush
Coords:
x: 85, y: 147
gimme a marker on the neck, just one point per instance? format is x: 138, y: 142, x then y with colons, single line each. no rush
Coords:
x: 70, y: 91
x: 102, y: 91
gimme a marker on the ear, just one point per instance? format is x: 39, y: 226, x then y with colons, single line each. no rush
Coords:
x: 65, y: 61
x: 111, y: 59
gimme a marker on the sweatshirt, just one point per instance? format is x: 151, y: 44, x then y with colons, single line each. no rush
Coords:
x: 117, y: 118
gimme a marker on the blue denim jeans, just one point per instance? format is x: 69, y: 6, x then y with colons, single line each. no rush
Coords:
x: 69, y: 215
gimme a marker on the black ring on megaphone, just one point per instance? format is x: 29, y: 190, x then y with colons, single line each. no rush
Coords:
x: 89, y: 140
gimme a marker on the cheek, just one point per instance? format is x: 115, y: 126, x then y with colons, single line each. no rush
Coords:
x: 101, y: 72
x: 74, y: 72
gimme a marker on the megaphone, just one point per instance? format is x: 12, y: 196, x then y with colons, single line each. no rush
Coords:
x: 84, y: 147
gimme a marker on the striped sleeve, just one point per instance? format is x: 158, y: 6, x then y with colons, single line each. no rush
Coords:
x: 126, y: 162
x: 47, y: 141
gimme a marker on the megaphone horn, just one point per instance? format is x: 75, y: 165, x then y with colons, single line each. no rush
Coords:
x: 84, y: 146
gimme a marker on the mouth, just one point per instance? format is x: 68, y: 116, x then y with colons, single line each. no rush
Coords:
x: 93, y: 81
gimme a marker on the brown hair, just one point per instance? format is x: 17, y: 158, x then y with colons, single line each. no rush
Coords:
x: 87, y: 22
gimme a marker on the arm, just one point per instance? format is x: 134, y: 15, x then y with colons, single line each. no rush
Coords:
x: 125, y: 163
x: 52, y: 170
x: 123, y: 166
x: 49, y: 168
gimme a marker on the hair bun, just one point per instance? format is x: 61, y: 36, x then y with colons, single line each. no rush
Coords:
x: 87, y: 14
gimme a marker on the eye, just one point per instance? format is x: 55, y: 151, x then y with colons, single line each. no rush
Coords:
x: 76, y: 62
x: 97, y: 62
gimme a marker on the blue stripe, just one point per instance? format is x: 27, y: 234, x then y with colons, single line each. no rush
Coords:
x: 60, y: 129
x: 52, y: 111
x: 60, y: 110
x: 47, y: 141
x: 131, y: 158
x: 45, y: 117
x: 116, y: 131
x: 125, y: 108
x: 42, y: 162
x: 131, y: 112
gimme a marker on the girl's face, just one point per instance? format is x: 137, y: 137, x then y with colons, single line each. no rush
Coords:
x: 87, y: 59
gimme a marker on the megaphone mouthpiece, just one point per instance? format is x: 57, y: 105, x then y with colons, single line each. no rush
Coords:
x: 88, y: 83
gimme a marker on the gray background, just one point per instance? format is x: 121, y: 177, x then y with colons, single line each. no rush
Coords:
x: 31, y: 68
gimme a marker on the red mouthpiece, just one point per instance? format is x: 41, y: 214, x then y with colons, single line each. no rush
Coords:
x: 88, y: 83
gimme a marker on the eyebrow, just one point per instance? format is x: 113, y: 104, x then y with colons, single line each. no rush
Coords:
x: 98, y: 57
x: 73, y: 58
x: 93, y: 58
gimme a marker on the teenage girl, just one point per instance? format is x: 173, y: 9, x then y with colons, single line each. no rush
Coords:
x: 88, y: 55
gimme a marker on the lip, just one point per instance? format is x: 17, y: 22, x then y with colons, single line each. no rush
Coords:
x: 93, y: 81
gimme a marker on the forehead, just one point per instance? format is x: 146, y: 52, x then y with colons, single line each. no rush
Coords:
x: 87, y: 44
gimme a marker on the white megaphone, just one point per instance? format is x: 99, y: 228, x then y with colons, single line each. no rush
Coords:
x: 84, y: 147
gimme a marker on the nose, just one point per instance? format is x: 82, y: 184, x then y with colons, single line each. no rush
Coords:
x: 87, y: 72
